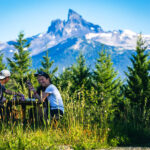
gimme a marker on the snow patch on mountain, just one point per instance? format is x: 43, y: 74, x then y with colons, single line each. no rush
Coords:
x: 77, y: 45
x: 5, y: 46
x: 11, y: 51
x: 42, y: 43
x: 121, y: 38
x: 2, y: 46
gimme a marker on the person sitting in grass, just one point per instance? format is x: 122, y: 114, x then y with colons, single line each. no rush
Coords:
x: 4, y: 78
x: 51, y: 93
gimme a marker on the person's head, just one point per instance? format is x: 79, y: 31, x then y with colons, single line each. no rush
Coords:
x: 43, y: 78
x: 4, y: 76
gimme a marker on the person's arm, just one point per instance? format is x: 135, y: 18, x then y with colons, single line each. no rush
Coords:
x: 3, y: 100
x: 12, y: 93
x: 36, y: 95
x: 42, y: 97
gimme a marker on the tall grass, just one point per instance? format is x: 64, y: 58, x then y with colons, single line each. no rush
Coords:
x: 86, y: 124
x: 83, y: 126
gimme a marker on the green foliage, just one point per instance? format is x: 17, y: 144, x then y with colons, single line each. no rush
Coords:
x: 138, y: 84
x: 105, y: 78
x: 2, y: 65
x: 21, y: 63
x: 132, y: 128
x: 46, y: 66
x: 64, y: 80
x: 80, y: 74
x: 106, y: 85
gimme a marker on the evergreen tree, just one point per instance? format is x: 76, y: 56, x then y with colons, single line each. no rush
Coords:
x: 106, y: 97
x: 137, y: 88
x: 2, y: 65
x: 80, y: 74
x: 105, y: 78
x: 65, y: 79
x: 46, y: 66
x: 21, y: 63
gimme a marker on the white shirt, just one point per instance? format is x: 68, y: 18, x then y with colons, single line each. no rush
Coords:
x: 54, y: 98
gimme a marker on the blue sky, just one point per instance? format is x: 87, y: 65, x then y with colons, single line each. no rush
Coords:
x: 34, y: 16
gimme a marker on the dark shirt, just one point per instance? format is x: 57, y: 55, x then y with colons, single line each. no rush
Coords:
x: 2, y: 90
x: 40, y: 89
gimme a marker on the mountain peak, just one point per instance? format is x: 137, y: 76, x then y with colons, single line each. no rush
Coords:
x: 73, y: 15
x: 75, y: 25
x: 71, y: 11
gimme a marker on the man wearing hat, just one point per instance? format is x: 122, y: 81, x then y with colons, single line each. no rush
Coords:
x: 4, y: 78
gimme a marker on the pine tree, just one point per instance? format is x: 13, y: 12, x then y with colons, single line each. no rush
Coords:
x: 137, y: 88
x: 105, y: 78
x: 80, y: 73
x: 21, y: 63
x: 2, y: 65
x: 106, y: 88
x: 65, y: 79
x: 46, y: 66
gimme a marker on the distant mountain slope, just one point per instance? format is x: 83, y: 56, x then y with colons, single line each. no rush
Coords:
x: 66, y: 52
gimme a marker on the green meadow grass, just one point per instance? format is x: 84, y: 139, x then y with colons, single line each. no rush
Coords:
x: 77, y: 129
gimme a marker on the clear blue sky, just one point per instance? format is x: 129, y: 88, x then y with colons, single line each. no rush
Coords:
x: 34, y: 16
